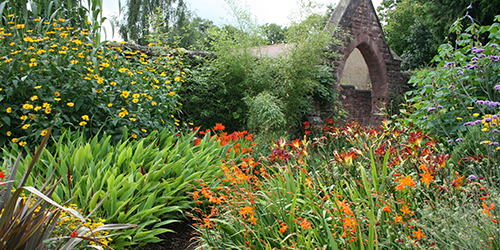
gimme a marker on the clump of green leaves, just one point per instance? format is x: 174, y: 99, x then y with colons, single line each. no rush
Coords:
x: 223, y: 89
x: 52, y: 70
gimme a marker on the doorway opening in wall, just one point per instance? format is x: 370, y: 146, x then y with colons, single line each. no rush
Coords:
x: 356, y: 72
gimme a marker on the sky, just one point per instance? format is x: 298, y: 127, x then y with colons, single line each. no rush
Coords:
x: 264, y: 11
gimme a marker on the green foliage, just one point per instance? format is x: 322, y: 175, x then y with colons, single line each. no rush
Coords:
x: 146, y: 180
x: 274, y: 33
x: 241, y: 71
x: 53, y: 71
x: 264, y: 113
x: 140, y: 16
x: 445, y: 97
x: 30, y: 222
x: 414, y: 29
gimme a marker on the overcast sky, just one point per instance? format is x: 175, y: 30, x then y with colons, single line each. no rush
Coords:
x: 265, y: 11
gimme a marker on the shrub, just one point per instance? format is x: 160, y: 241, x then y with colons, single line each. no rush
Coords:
x: 446, y: 97
x: 54, y: 71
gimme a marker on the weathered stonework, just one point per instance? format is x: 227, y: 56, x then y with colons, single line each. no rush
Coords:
x: 361, y: 29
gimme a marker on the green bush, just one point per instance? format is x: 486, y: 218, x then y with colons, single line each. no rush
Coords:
x: 446, y: 97
x: 52, y: 71
x: 146, y: 179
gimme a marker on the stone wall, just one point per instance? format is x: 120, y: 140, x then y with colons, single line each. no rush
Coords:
x: 360, y: 29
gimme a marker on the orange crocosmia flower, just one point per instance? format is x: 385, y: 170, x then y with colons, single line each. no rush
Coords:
x: 486, y: 208
x: 283, y: 228
x: 405, y: 209
x: 387, y: 208
x: 207, y: 223
x: 195, y: 195
x: 406, y: 181
x: 305, y: 224
x: 398, y: 219
x: 418, y: 234
x: 427, y: 178
x: 246, y: 210
x: 219, y: 126
x: 252, y: 219
x: 458, y: 182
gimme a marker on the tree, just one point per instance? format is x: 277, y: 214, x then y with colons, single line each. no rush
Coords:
x: 139, y: 15
x: 415, y: 28
x: 273, y: 33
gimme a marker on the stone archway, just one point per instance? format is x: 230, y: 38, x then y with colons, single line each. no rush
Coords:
x: 360, y: 29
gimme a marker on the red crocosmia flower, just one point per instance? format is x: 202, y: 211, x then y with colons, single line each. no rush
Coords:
x: 306, y: 125
x: 307, y: 132
x: 219, y: 126
x: 329, y: 121
x: 74, y: 234
x: 197, y: 141
x: 283, y: 228
x: 2, y: 175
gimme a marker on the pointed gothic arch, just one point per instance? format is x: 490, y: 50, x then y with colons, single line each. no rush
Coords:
x: 359, y: 27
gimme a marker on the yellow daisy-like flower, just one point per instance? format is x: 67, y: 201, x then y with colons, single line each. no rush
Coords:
x: 9, y: 133
x: 83, y: 123
x: 122, y: 70
x: 132, y: 119
x: 9, y: 110
x: 43, y: 133
x: 85, y: 117
x: 27, y: 106
x: 104, y: 64
x: 74, y: 61
x: 98, y: 90
x: 110, y: 105
x: 31, y: 116
x: 37, y: 108
x: 177, y: 79
x: 22, y: 143
x: 154, y: 103
x: 100, y: 80
x: 70, y: 104
x: 143, y: 130
x: 46, y: 105
x: 33, y: 98
x: 136, y: 95
x: 171, y: 93
x: 135, y: 100
x: 125, y: 94
x: 121, y: 114
x: 25, y: 126
x: 476, y: 114
x: 23, y: 117
x: 112, y: 83
x: 14, y: 140
x: 57, y: 99
x: 134, y: 135
x: 57, y: 94
x: 62, y: 52
x: 48, y: 110
x: 459, y: 118
x: 133, y: 82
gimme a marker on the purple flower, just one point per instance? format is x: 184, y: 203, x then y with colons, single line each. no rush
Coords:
x: 471, y: 177
x: 494, y: 58
x: 468, y: 123
x: 494, y: 45
x: 487, y: 119
x: 480, y: 102
x: 460, y: 72
x: 450, y: 141
x: 459, y: 139
x: 448, y: 64
x: 474, y: 59
x: 477, y: 50
x: 495, y: 131
x: 451, y: 86
x: 481, y: 55
x: 439, y: 107
x: 497, y: 87
x: 493, y: 143
x: 425, y: 117
x: 431, y: 109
